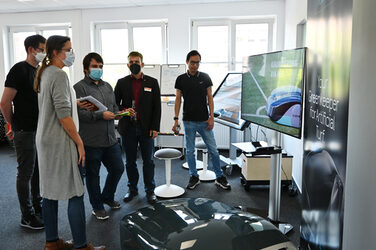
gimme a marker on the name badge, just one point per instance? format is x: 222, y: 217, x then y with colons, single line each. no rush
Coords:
x: 147, y: 89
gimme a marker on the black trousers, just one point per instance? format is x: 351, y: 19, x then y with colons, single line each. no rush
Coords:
x: 27, y: 172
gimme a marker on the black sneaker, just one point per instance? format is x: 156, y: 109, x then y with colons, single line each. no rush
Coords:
x: 100, y: 214
x: 32, y: 222
x: 193, y: 182
x: 38, y: 212
x: 222, y: 182
x: 113, y: 204
x: 151, y: 198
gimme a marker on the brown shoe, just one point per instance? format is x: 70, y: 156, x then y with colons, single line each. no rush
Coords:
x: 59, y: 244
x: 91, y: 247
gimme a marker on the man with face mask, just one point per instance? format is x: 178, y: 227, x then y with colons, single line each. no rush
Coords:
x: 140, y: 93
x: 97, y: 131
x: 19, y: 105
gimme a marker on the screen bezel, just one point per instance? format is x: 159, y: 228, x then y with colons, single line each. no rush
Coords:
x: 299, y: 135
x: 242, y: 124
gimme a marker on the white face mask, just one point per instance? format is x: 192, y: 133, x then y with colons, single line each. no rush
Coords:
x: 69, y: 59
x: 40, y: 56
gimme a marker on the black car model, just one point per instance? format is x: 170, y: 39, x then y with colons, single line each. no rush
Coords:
x: 198, y: 223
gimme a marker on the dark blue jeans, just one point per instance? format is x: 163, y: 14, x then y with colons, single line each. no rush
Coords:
x: 27, y: 172
x: 111, y: 158
x: 130, y: 143
x: 76, y: 217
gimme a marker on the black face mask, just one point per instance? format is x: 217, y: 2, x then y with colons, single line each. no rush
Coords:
x: 135, y: 68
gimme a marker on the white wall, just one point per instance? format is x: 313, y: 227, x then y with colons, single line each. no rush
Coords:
x: 360, y: 200
x: 178, y: 17
x: 296, y: 11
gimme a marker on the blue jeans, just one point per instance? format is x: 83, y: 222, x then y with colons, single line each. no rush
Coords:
x: 130, y: 143
x: 27, y: 172
x: 190, y: 129
x: 76, y: 217
x: 111, y: 158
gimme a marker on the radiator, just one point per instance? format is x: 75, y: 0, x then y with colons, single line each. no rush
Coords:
x: 221, y: 132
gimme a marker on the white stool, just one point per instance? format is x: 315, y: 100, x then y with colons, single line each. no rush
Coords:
x: 204, y: 174
x: 168, y: 190
x: 199, y: 165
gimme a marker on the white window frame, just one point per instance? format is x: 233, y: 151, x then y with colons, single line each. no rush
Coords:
x: 38, y: 29
x: 231, y: 23
x: 129, y: 25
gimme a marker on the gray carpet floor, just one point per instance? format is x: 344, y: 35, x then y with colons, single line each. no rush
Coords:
x: 13, y: 237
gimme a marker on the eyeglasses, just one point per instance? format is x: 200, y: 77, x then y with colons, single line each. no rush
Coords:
x: 40, y: 49
x: 194, y: 62
x: 70, y: 51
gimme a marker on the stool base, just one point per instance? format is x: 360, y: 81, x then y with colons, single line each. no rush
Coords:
x: 199, y: 165
x: 206, y: 175
x: 169, y: 191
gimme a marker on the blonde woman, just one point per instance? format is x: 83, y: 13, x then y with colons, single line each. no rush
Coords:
x: 59, y: 146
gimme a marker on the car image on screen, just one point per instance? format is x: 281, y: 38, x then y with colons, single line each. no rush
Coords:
x: 284, y: 106
x: 272, y: 90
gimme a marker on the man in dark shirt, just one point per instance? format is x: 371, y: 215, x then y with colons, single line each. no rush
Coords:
x: 140, y: 93
x: 97, y: 130
x: 23, y: 117
x: 195, y: 87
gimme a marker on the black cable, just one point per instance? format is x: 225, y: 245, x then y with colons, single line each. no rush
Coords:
x: 284, y: 172
x: 262, y: 131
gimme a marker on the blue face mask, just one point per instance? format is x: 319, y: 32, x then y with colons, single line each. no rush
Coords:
x: 95, y: 73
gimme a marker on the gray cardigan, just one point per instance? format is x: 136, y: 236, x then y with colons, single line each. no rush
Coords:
x: 94, y: 130
x: 59, y: 175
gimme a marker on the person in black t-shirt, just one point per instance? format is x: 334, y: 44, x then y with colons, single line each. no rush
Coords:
x: 23, y: 117
x: 195, y: 87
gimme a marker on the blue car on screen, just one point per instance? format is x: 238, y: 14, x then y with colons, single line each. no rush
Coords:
x: 284, y: 106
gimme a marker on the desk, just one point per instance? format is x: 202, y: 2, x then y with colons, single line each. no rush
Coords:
x: 246, y: 147
x: 255, y: 169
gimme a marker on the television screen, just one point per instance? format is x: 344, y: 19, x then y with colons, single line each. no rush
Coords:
x: 227, y: 101
x: 272, y: 90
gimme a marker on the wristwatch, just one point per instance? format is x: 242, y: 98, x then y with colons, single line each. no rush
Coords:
x: 176, y: 118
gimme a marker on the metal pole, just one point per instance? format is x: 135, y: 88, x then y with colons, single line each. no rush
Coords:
x: 232, y: 153
x: 168, y: 172
x: 275, y: 181
x: 247, y: 137
x: 205, y: 160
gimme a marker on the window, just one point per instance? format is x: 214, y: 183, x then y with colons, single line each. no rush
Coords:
x: 301, y: 34
x: 251, y: 39
x: 114, y: 41
x: 223, y: 43
x: 17, y: 36
x: 19, y: 52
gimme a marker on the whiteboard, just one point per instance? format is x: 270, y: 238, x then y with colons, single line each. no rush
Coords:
x: 167, y: 117
x: 153, y: 70
x: 169, y: 73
